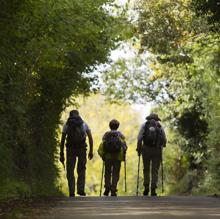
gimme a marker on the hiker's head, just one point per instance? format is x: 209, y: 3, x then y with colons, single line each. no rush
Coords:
x: 153, y: 116
x: 114, y: 124
x: 74, y: 113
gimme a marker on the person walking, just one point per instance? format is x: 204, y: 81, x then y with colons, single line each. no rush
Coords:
x: 75, y: 132
x: 150, y: 143
x: 112, y: 150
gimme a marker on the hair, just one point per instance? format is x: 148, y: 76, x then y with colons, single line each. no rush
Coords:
x: 114, y: 124
x: 74, y: 113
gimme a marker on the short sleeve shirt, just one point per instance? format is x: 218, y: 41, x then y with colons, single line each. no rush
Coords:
x: 85, y: 126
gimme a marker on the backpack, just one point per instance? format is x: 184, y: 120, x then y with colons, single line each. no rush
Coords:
x: 76, y: 136
x: 152, y: 133
x: 112, y: 143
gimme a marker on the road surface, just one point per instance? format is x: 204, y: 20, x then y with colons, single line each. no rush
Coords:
x: 186, y: 207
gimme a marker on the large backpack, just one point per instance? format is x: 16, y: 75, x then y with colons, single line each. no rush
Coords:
x: 112, y: 142
x: 76, y: 135
x: 152, y: 133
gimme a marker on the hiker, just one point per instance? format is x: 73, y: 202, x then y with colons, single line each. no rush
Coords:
x: 150, y: 143
x: 112, y: 150
x: 74, y: 132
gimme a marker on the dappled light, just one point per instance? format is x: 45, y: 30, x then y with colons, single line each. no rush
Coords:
x: 151, y: 65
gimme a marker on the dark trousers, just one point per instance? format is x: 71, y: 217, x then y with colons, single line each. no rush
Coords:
x: 151, y: 158
x: 112, y: 171
x: 72, y: 154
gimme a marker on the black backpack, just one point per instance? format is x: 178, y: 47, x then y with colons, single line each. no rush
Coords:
x: 112, y: 143
x: 76, y: 136
x: 152, y: 133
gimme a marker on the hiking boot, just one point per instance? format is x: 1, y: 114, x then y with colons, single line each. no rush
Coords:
x: 113, y: 193
x: 146, y: 191
x: 71, y: 195
x: 81, y: 193
x: 106, y: 192
x: 153, y: 192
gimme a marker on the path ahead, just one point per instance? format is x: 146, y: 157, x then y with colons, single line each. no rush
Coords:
x: 136, y: 207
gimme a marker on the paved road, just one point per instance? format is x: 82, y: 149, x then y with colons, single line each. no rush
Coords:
x: 136, y: 207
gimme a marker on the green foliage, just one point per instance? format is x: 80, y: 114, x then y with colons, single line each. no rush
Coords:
x: 126, y: 80
x: 164, y: 25
x: 47, y: 51
x: 210, y: 9
x: 183, y: 80
x: 13, y: 189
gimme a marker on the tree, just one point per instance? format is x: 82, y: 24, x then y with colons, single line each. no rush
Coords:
x: 48, y: 49
x: 184, y: 50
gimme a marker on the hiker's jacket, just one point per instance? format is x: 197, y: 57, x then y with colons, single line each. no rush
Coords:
x: 118, y: 156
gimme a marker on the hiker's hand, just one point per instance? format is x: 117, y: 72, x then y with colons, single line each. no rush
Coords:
x: 90, y: 155
x: 124, y: 153
x: 62, y: 159
x: 138, y: 151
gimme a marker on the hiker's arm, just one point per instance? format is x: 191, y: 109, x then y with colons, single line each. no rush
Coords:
x: 139, y: 147
x: 139, y: 140
x: 125, y: 147
x: 62, y: 147
x: 104, y: 136
x: 89, y: 134
x: 164, y: 137
x: 101, y: 151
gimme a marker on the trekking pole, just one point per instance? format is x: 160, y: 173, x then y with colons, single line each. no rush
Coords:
x: 162, y: 173
x: 125, y: 175
x: 102, y: 179
x: 139, y: 157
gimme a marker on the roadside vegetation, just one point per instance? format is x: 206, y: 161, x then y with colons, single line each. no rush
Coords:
x: 49, y: 56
